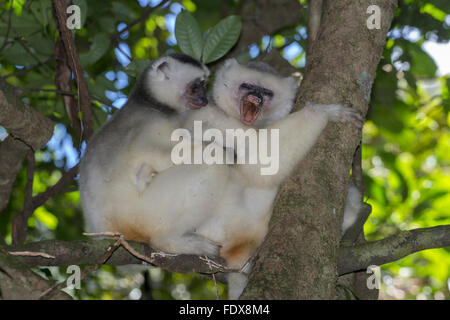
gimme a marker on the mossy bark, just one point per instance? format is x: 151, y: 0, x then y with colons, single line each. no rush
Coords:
x: 299, y: 257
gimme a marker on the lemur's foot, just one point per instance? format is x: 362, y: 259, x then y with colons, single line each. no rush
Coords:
x: 202, y: 245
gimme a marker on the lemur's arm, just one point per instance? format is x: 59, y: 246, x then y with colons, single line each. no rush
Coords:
x: 298, y: 133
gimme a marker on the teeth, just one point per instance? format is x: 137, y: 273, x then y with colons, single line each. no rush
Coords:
x: 248, y: 112
x: 254, y: 99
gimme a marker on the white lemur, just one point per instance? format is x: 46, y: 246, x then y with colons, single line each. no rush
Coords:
x: 220, y: 209
x: 135, y: 143
x: 240, y: 197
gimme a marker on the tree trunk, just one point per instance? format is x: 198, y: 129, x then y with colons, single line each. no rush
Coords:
x: 299, y: 257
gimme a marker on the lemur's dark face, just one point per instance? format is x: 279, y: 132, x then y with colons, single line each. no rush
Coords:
x: 195, y: 94
x: 252, y: 100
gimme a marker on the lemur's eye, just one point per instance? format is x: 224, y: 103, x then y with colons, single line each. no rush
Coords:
x: 267, y: 92
x: 245, y: 86
x: 256, y: 88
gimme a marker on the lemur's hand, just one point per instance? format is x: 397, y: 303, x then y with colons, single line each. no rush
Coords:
x: 339, y: 113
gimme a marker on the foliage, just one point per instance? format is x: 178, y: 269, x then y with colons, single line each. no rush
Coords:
x: 406, y: 138
x: 220, y: 39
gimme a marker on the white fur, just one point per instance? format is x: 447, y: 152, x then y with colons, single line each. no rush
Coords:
x: 352, y: 207
x: 200, y: 209
x: 168, y: 83
x: 231, y: 75
x: 135, y: 143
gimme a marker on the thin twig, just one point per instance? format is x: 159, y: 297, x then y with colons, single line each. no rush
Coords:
x: 75, y: 64
x: 123, y: 243
x: 61, y: 92
x: 25, y: 70
x: 67, y: 177
x: 65, y: 93
x: 143, y: 17
x: 111, y: 234
x: 42, y: 63
x: 86, y: 271
x: 123, y: 52
x: 213, y: 277
x: 151, y: 260
x: 31, y: 254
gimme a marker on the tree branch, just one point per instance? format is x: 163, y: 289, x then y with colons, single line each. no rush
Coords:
x: 314, y: 17
x: 63, y: 82
x: 12, y: 153
x: 27, y: 128
x: 21, y: 121
x: 392, y: 248
x: 300, y: 255
x: 20, y: 283
x: 75, y: 64
x: 41, y: 198
x: 258, y: 19
x: 357, y: 229
x: 89, y: 252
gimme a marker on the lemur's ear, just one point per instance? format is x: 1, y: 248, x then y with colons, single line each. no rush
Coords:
x: 230, y: 63
x: 291, y: 82
x: 161, y: 69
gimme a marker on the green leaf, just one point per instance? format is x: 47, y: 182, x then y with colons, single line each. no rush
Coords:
x: 434, y: 12
x: 222, y: 37
x: 100, y: 45
x: 422, y: 65
x: 17, y: 6
x: 105, y: 83
x: 17, y: 55
x: 101, y: 115
x: 107, y: 24
x: 189, y: 35
x: 41, y: 9
x: 46, y: 217
x: 135, y: 67
x: 42, y: 45
x: 24, y: 25
x: 122, y: 12
x: 97, y: 90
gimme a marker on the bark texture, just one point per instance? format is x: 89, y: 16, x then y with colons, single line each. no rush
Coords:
x: 89, y: 252
x: 22, y: 121
x: 299, y: 257
x: 18, y: 282
x: 263, y: 17
x: 28, y: 130
x: 392, y: 248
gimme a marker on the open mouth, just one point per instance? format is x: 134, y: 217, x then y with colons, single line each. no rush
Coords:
x: 250, y: 108
x: 196, y: 103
